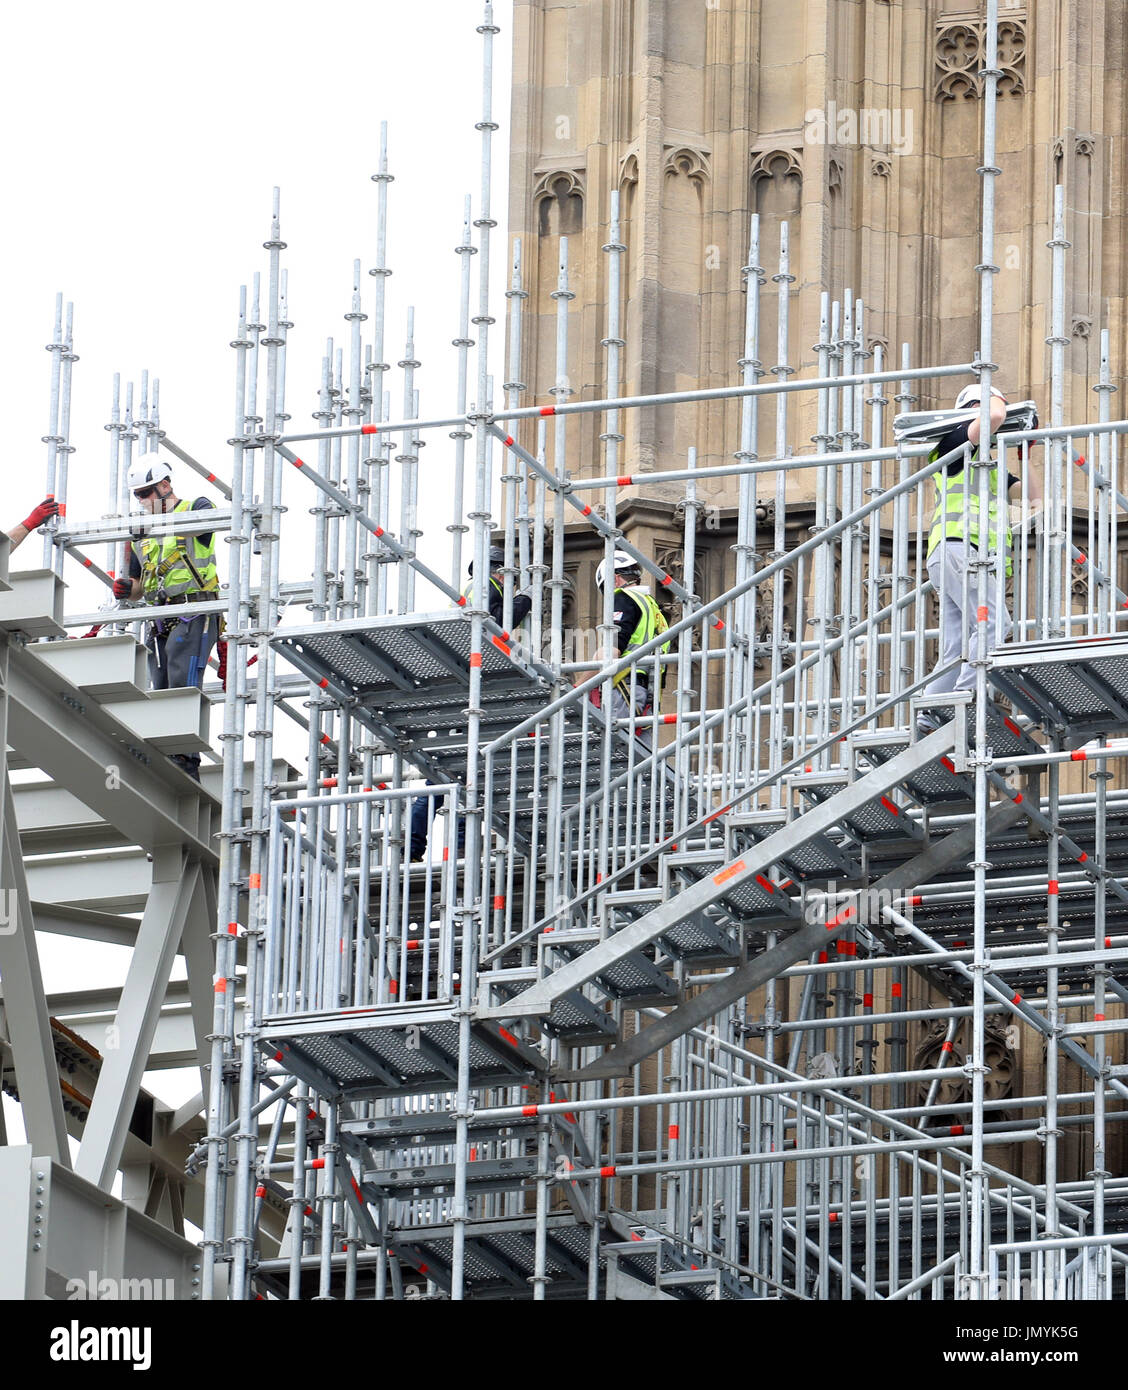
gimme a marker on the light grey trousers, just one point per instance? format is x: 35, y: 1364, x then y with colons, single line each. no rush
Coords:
x: 621, y: 709
x: 947, y: 568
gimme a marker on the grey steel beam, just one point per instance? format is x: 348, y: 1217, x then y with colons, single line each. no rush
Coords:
x: 108, y: 882
x: 754, y: 861
x: 25, y: 1005
x: 174, y: 1041
x: 620, y: 1059
x: 199, y: 957
x: 18, y: 1270
x: 157, y: 939
x: 84, y: 923
x: 52, y: 820
x: 66, y: 733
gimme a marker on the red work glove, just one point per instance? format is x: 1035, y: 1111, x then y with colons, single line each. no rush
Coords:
x: 123, y: 588
x: 221, y: 661
x: 46, y: 509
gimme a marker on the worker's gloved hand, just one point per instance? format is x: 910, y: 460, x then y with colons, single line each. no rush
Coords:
x: 46, y: 509
x: 123, y: 588
x: 221, y: 661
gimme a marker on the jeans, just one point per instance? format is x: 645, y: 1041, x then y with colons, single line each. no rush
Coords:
x: 947, y: 565
x: 179, y: 659
x: 422, y: 814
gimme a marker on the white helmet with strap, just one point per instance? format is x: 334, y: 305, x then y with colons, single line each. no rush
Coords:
x: 147, y: 472
x: 973, y: 393
x: 621, y: 561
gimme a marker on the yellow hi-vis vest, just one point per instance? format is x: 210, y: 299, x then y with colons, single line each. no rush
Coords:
x: 652, y: 622
x: 177, y: 564
x: 948, y: 519
x: 495, y: 583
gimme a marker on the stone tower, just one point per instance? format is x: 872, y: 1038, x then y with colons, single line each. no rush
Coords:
x: 857, y: 122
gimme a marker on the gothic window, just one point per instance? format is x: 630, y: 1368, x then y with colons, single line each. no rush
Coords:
x: 559, y: 199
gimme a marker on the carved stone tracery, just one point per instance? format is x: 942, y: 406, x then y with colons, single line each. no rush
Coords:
x: 961, y: 54
x: 558, y: 197
x: 773, y: 164
x: 682, y: 159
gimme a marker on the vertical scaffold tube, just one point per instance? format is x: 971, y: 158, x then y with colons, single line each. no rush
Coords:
x: 472, y: 914
x: 246, y: 1136
x: 230, y: 839
x: 750, y: 369
x: 980, y: 1223
x: 781, y: 371
x: 56, y: 347
x: 377, y: 603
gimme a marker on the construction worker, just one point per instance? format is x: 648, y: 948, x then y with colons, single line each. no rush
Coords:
x: 170, y: 570
x: 423, y: 810
x: 638, y: 620
x: 44, y: 512
x: 522, y: 602
x: 951, y: 552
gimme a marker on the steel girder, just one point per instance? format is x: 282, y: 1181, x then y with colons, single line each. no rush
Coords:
x: 25, y: 1005
x: 158, y: 938
x: 65, y: 732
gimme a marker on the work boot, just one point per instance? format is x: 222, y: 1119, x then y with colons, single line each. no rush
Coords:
x: 188, y: 765
x: 928, y: 722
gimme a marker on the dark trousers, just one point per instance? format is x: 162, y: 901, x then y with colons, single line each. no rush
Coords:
x: 422, y: 814
x: 179, y: 658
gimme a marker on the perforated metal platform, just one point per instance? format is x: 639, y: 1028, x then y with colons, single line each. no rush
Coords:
x: 410, y: 678
x: 501, y: 1256
x: 1077, y: 687
x: 500, y: 1259
x: 388, y: 1052
x: 817, y: 857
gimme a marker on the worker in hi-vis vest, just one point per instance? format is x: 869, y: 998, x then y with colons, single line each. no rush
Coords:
x: 170, y: 570
x: 638, y: 620
x: 953, y: 546
x: 423, y: 809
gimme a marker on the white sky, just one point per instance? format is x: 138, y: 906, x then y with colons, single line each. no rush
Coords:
x: 143, y: 142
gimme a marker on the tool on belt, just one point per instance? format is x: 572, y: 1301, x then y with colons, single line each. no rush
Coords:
x: 158, y: 572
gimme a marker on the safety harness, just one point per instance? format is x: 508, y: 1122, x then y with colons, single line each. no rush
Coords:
x: 177, y: 568
x: 650, y: 625
x: 959, y: 496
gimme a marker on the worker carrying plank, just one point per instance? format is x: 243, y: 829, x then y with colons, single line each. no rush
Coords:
x: 170, y: 570
x: 954, y: 541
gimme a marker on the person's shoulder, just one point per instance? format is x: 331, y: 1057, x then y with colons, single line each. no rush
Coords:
x: 202, y: 503
x: 952, y: 440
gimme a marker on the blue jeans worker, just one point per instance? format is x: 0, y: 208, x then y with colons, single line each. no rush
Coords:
x: 171, y: 570
x: 423, y: 810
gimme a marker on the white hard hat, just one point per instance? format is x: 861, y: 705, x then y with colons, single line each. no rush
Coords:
x: 147, y: 472
x: 622, y: 561
x: 974, y: 393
